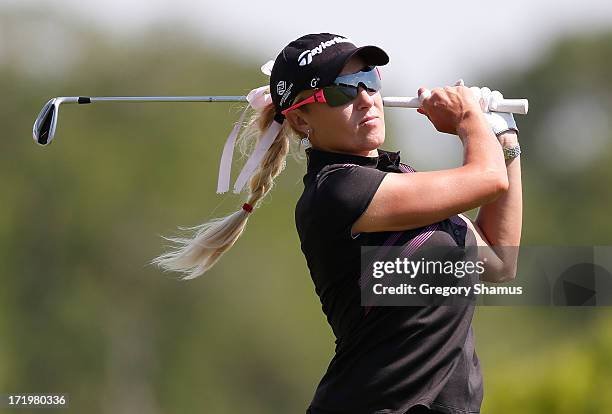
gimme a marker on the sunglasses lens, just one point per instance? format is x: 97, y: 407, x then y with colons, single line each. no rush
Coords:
x: 346, y: 88
x: 369, y: 78
x: 339, y: 95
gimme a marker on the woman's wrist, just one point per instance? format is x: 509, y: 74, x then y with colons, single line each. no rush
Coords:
x: 508, y: 139
x: 509, y: 142
x: 472, y: 123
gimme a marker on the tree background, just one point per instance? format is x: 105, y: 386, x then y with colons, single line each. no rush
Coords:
x: 81, y: 311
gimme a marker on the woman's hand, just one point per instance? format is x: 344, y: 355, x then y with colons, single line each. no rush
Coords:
x: 500, y: 122
x: 447, y: 108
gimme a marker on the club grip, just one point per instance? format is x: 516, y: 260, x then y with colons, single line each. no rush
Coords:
x: 515, y: 106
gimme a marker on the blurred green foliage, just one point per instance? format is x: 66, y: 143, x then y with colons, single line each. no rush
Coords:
x: 82, y: 313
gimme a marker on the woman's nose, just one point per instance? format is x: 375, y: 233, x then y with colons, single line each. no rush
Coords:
x: 363, y: 99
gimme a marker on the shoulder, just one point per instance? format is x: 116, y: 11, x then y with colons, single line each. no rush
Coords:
x: 346, y: 181
x: 339, y: 194
x: 337, y: 172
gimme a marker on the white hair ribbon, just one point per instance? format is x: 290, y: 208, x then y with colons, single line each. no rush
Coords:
x: 261, y: 148
x: 266, y: 68
x: 258, y: 98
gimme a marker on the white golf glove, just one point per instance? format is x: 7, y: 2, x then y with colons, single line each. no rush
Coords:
x: 499, y: 122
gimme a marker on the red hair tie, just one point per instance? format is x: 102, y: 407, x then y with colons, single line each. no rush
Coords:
x: 247, y: 207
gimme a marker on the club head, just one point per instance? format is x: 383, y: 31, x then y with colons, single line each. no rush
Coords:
x: 46, y: 121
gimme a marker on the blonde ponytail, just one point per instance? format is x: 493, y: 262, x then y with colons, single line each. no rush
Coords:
x: 194, y: 256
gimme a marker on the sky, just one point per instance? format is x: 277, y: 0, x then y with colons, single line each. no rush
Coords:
x: 429, y: 43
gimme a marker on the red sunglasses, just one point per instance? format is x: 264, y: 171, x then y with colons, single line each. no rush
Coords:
x: 344, y: 89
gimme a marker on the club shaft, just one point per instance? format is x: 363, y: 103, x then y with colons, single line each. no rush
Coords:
x: 517, y: 106
x: 93, y: 99
x: 43, y: 130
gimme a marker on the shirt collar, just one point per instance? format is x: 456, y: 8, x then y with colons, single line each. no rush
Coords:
x: 386, y: 160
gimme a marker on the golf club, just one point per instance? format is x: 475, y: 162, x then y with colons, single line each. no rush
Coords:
x: 45, y: 125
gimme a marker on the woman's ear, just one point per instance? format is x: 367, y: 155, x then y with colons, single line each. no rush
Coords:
x: 298, y: 122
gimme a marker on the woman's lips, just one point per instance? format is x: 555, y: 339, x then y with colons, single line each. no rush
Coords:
x: 368, y: 120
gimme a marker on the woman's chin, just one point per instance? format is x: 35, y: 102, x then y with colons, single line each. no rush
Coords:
x: 374, y: 140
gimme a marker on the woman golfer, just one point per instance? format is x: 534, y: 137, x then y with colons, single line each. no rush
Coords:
x: 391, y: 360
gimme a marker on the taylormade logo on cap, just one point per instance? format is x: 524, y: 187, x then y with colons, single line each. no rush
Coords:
x: 305, y: 58
x: 286, y: 94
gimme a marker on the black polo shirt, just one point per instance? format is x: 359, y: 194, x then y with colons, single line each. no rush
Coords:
x: 387, y: 359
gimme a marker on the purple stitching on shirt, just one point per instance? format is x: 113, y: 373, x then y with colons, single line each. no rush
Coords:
x: 413, y: 246
x: 419, y: 240
x: 406, y: 168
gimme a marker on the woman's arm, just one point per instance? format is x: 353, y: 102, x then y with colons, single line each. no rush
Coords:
x: 406, y: 201
x: 498, y: 225
x: 501, y: 220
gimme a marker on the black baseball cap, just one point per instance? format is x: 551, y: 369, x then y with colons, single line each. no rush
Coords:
x: 314, y: 61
